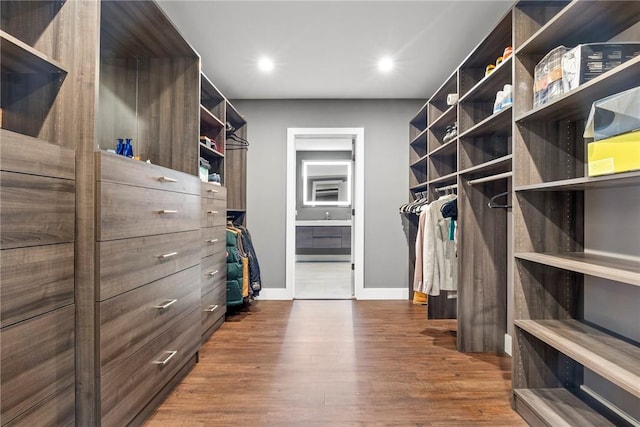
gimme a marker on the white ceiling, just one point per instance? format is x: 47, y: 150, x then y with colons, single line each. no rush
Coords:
x: 330, y: 49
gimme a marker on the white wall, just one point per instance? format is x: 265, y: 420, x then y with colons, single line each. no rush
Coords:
x: 386, y: 141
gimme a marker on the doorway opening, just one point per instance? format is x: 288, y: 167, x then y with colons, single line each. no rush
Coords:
x: 324, y: 248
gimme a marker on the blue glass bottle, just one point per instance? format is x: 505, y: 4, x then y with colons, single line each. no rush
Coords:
x: 120, y: 146
x: 128, y: 149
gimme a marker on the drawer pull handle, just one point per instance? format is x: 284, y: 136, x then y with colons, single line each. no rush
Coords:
x: 212, y: 308
x: 213, y: 241
x: 213, y: 212
x: 211, y: 190
x: 213, y: 273
x: 167, y: 304
x: 167, y: 211
x: 169, y: 255
x: 167, y: 179
x: 168, y: 357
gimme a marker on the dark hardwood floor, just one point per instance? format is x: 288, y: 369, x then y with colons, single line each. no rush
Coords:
x: 339, y: 363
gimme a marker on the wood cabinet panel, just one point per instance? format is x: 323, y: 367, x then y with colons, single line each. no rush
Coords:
x: 327, y: 231
x: 35, y: 210
x: 37, y: 360
x: 213, y: 191
x: 126, y: 264
x: 214, y: 240
x: 213, y: 271
x: 214, y: 212
x: 214, y: 306
x: 327, y: 242
x: 34, y: 281
x: 131, y: 320
x: 58, y: 410
x: 25, y: 154
x: 126, y: 390
x: 304, y: 237
x: 122, y: 170
x: 127, y: 211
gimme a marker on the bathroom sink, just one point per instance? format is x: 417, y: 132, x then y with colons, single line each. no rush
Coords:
x: 324, y: 222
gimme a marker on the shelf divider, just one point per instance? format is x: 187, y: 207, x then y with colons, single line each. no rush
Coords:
x: 19, y: 57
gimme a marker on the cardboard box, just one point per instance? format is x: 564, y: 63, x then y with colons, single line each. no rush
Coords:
x: 614, y: 155
x: 547, y: 77
x: 587, y: 61
x: 614, y: 115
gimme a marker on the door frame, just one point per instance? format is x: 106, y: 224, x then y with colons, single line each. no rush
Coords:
x: 357, y: 203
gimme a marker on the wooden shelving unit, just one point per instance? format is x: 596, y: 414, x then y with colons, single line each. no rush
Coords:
x: 499, y: 165
x: 558, y: 269
x: 496, y: 124
x: 19, y: 57
x: 236, y: 161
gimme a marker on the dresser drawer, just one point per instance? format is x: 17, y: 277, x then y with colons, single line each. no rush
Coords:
x: 58, y: 410
x: 214, y: 240
x: 34, y: 281
x: 126, y: 390
x: 130, y: 320
x: 214, y: 306
x: 125, y: 211
x: 114, y: 168
x: 212, y: 191
x: 37, y: 359
x: 25, y: 154
x: 213, y: 271
x: 36, y: 210
x: 214, y: 213
x: 327, y: 231
x: 126, y: 264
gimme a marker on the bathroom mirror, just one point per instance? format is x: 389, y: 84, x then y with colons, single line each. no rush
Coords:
x: 326, y: 183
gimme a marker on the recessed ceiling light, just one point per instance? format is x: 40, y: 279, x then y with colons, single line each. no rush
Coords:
x: 265, y: 64
x: 385, y: 64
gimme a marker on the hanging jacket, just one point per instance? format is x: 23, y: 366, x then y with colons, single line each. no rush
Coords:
x: 234, y: 270
x: 255, y: 283
x: 440, y: 267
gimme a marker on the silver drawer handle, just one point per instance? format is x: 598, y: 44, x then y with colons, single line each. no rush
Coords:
x: 167, y: 304
x: 213, y: 273
x: 213, y: 241
x: 213, y: 212
x: 212, y: 191
x: 167, y: 211
x: 169, y: 255
x: 167, y: 179
x: 169, y: 356
x: 212, y: 308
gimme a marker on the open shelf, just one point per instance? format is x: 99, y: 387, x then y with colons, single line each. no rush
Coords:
x: 19, y: 57
x: 612, y: 358
x: 501, y: 164
x: 558, y: 407
x: 234, y: 117
x: 606, y: 267
x: 417, y: 163
x: 419, y: 121
x: 586, y: 183
x: 447, y: 118
x: 210, y: 152
x: 497, y: 123
x: 491, y: 84
x: 575, y: 105
x: 421, y: 186
x: 583, y: 22
x: 444, y: 179
x: 420, y: 139
x: 448, y: 148
x: 208, y: 117
x: 449, y: 86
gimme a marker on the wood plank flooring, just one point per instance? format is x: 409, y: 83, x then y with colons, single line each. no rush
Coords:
x: 339, y: 363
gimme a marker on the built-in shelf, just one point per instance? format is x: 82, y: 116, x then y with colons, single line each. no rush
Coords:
x: 448, y: 148
x: 419, y: 121
x: 19, y: 57
x: 558, y: 407
x: 208, y: 117
x: 605, y: 19
x: 586, y: 183
x: 421, y: 138
x: 420, y: 163
x: 496, y: 124
x: 449, y: 86
x: 446, y: 119
x: 421, y: 186
x: 606, y: 267
x: 575, y: 105
x: 210, y: 152
x: 444, y: 179
x: 234, y: 117
x: 501, y: 164
x: 487, y: 88
x: 612, y: 358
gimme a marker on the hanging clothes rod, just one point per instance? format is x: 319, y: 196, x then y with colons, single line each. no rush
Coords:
x: 490, y: 178
x: 447, y: 187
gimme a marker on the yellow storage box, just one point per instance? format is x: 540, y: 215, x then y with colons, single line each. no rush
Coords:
x: 614, y: 155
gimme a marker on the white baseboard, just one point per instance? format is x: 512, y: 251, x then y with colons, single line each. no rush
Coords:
x: 382, y: 293
x: 278, y: 294
x: 508, y: 343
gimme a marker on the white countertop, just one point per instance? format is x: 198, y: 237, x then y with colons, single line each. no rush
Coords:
x: 324, y: 223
